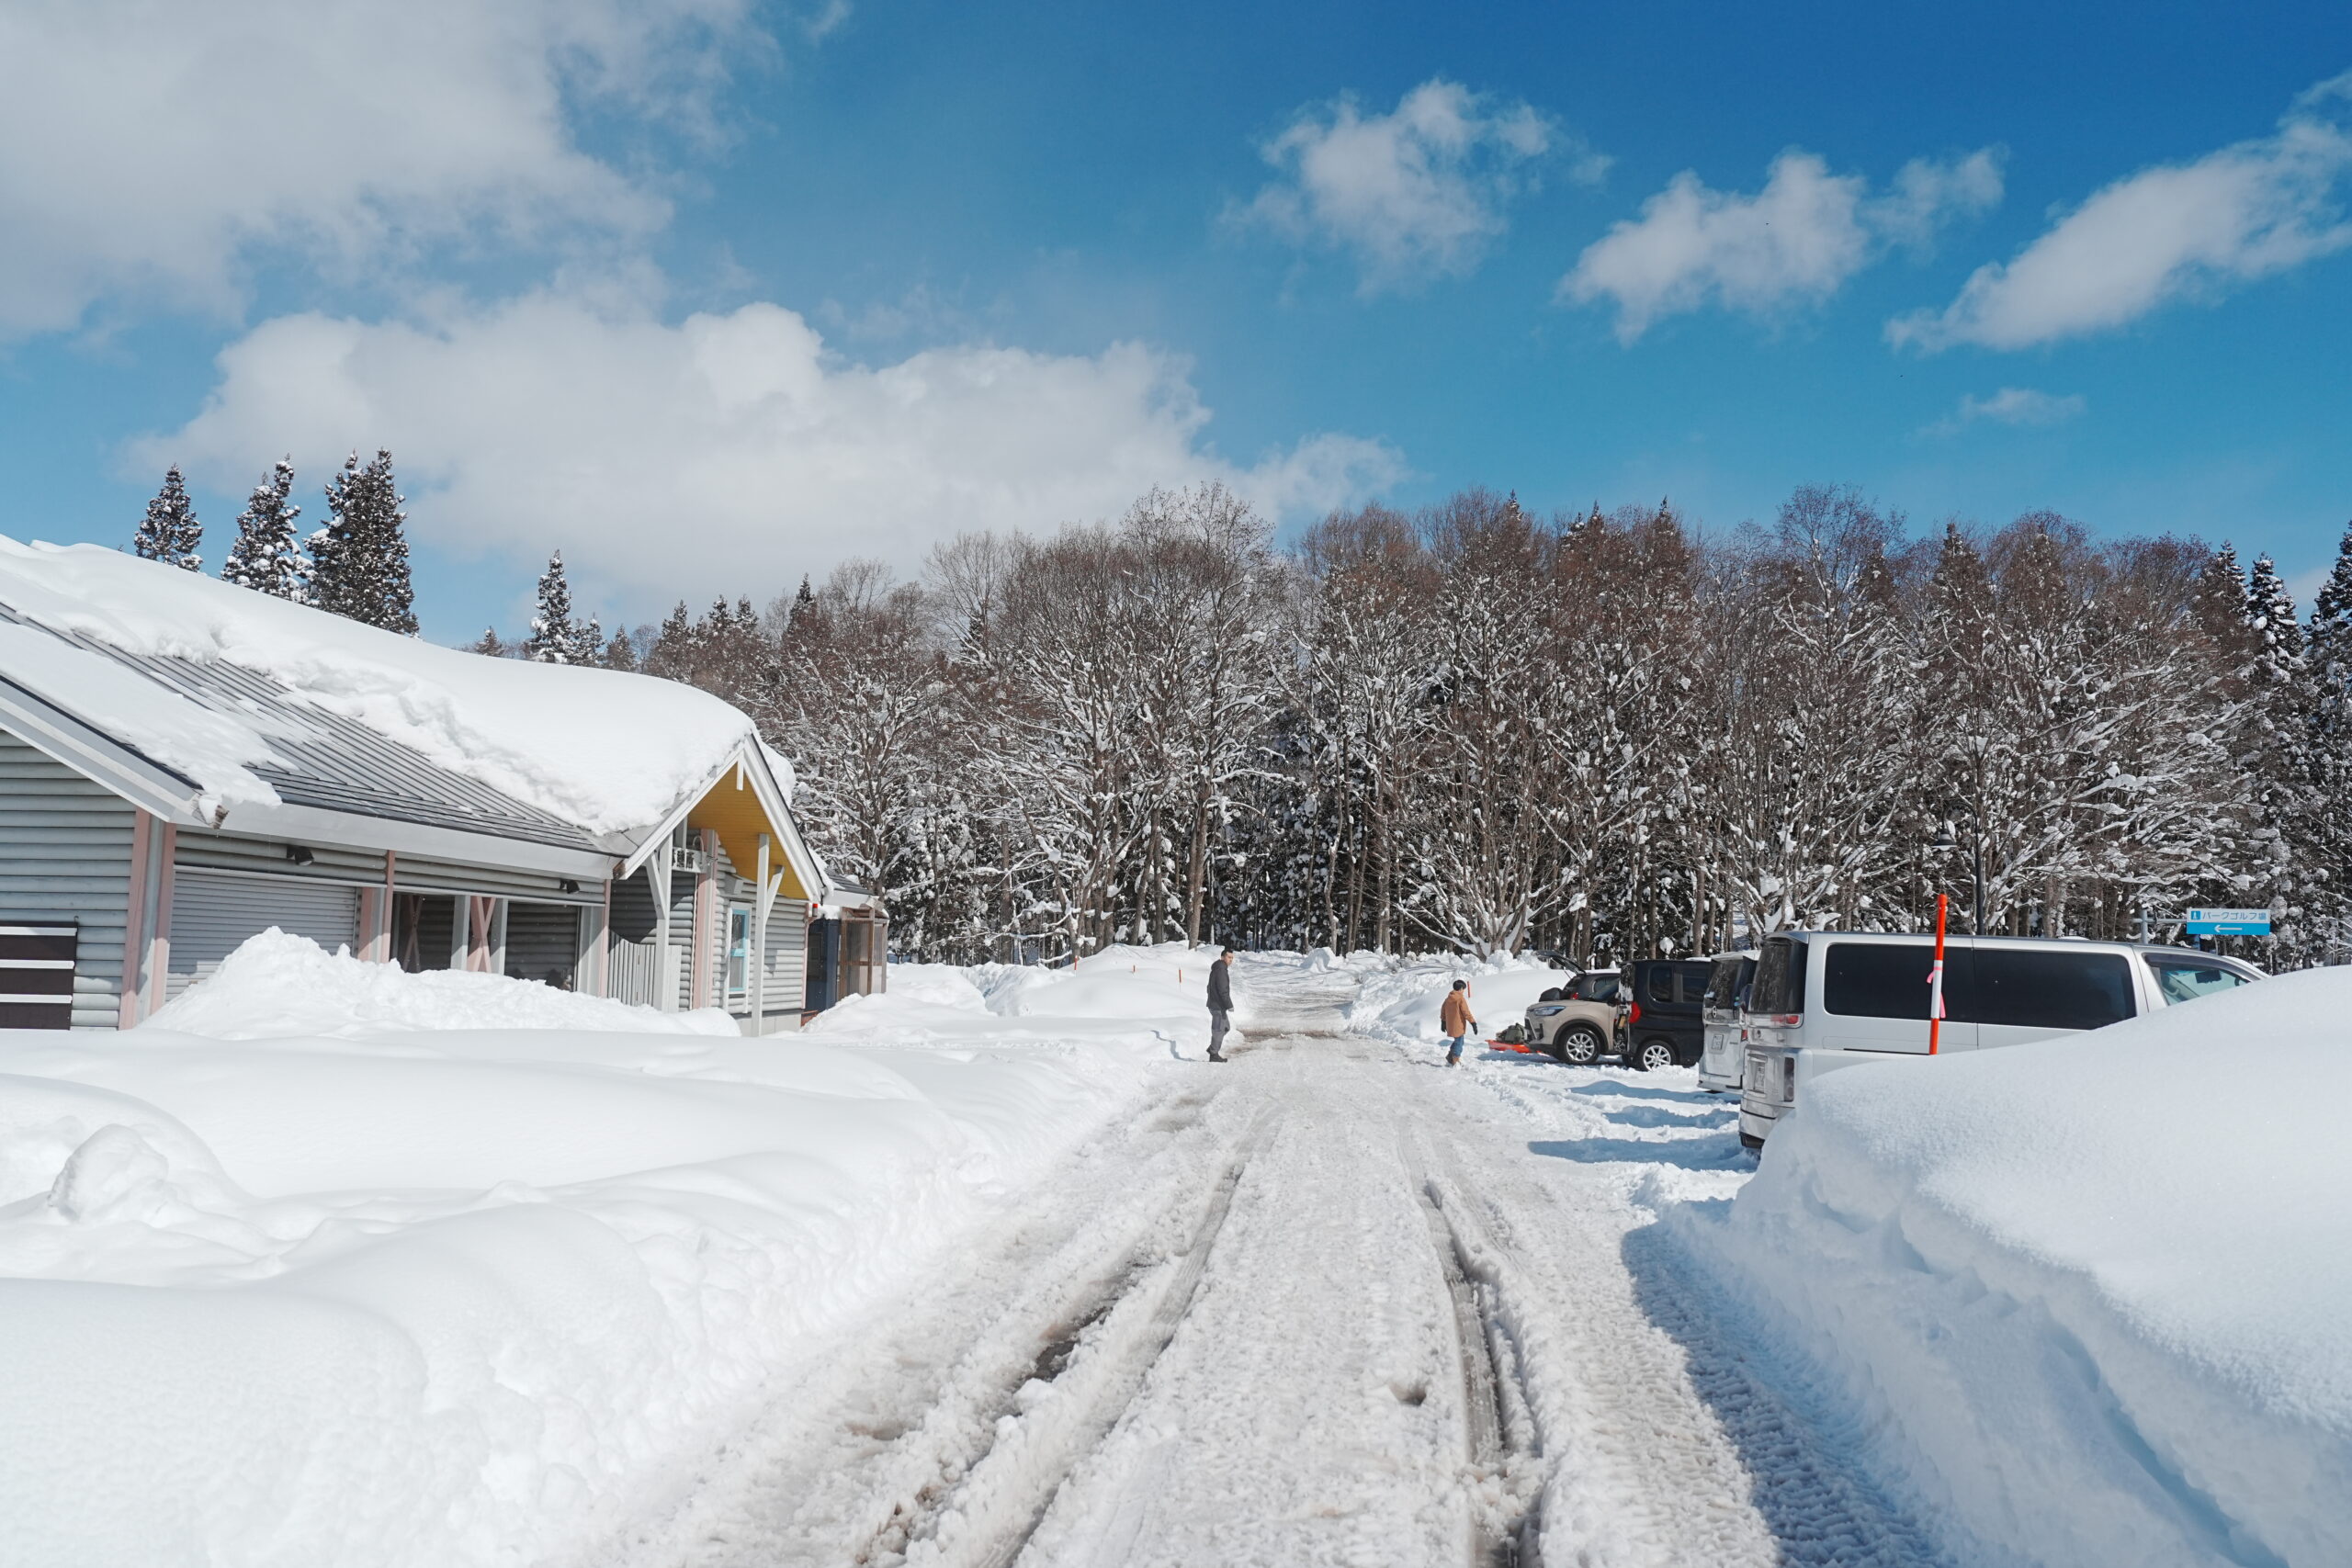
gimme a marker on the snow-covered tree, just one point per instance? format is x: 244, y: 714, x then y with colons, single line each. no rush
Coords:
x: 267, y: 556
x: 556, y: 638
x: 359, y: 566
x: 170, y: 532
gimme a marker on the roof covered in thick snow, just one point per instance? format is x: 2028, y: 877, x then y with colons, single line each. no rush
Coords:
x: 256, y: 701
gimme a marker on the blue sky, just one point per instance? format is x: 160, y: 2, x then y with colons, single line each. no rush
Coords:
x: 710, y: 294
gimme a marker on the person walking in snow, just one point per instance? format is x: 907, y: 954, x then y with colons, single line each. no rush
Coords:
x: 1220, y: 1003
x: 1455, y: 1019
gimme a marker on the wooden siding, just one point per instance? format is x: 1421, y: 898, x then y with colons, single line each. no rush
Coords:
x: 65, y: 855
x: 636, y: 962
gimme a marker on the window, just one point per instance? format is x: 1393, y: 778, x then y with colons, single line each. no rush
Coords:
x: 2044, y: 990
x: 738, y: 954
x: 1883, y: 979
x: 2186, y: 980
x: 1780, y: 978
x: 1728, y: 987
x: 1597, y: 987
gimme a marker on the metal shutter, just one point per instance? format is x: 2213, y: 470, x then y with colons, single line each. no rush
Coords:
x: 543, y: 942
x: 210, y: 915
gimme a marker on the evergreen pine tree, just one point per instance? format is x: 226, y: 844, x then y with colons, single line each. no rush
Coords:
x: 491, y: 645
x: 266, y: 557
x: 2328, y: 658
x: 170, y: 532
x: 804, y: 604
x: 2277, y: 757
x: 621, y: 652
x: 359, y: 559
x: 553, y: 639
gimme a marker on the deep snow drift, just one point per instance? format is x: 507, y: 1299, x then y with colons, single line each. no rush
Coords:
x: 2089, y: 1294
x: 420, y: 1295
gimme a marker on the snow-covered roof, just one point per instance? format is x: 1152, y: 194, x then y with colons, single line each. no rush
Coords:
x: 252, y: 700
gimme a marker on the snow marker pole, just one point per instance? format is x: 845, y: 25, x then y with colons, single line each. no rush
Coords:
x: 1936, y: 980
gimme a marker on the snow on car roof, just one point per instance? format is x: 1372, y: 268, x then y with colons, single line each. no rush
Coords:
x: 606, y: 752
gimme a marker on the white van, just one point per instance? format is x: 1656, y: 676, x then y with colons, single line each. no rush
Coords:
x: 1822, y: 1001
x: 1722, y: 1053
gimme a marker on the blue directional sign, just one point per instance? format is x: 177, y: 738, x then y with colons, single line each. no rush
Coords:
x: 2228, y: 923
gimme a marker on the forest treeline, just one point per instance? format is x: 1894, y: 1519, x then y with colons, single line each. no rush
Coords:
x: 1599, y: 733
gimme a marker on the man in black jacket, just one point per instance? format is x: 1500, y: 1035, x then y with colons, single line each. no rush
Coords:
x: 1220, y: 1003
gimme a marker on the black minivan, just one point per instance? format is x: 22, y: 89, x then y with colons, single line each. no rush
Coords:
x: 1663, y: 1027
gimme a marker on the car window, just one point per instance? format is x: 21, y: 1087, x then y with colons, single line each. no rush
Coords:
x: 1690, y: 983
x: 1780, y: 978
x: 2185, y: 980
x: 1880, y: 979
x: 1597, y: 987
x: 2042, y: 989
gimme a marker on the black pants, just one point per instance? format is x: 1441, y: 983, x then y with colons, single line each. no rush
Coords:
x: 1219, y: 1021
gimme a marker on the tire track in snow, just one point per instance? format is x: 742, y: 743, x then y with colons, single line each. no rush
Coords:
x: 988, y: 1521
x: 1500, y: 1428
x: 856, y: 1455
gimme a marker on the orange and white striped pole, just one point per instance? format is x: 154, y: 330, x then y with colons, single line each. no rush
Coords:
x: 1936, y: 980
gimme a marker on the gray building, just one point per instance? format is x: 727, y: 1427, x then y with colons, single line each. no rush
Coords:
x: 128, y: 871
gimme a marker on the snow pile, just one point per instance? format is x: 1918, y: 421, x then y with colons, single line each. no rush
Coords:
x: 2088, y: 1295
x: 612, y: 752
x: 414, y: 1296
x: 1401, y: 1003
x: 1153, y: 1000
x: 275, y: 984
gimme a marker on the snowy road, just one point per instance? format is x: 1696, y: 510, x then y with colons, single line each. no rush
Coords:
x: 1331, y: 1303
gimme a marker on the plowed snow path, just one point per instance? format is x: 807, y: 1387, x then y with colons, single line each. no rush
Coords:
x: 1330, y: 1304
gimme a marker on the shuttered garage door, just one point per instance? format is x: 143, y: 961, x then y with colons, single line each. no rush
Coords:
x: 210, y: 915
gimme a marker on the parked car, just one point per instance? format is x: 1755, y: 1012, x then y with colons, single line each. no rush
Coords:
x: 1662, y: 1026
x: 1823, y: 1000
x: 1721, y: 1054
x: 1578, y: 1023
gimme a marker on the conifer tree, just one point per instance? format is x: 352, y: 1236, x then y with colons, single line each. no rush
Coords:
x: 491, y: 645
x: 553, y: 637
x: 266, y: 557
x: 170, y: 532
x: 2277, y: 757
x: 359, y: 559
x: 2328, y: 658
x: 621, y: 652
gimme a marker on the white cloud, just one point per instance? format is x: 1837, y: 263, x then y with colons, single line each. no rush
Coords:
x: 2172, y: 231
x: 152, y: 148
x: 1794, y: 242
x: 731, y: 447
x: 1414, y: 194
x: 2011, y: 406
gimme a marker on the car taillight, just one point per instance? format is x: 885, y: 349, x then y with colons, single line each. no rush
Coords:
x: 1789, y: 1019
x: 1789, y: 1080
x: 1633, y: 1013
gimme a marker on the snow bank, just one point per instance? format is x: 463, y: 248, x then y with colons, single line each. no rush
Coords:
x: 2088, y: 1295
x: 1147, y: 999
x: 1402, y: 1003
x: 279, y: 985
x: 415, y: 1296
x: 609, y: 751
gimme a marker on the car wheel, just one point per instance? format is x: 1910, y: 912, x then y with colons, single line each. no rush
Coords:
x: 1651, y: 1056
x: 1579, y: 1046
